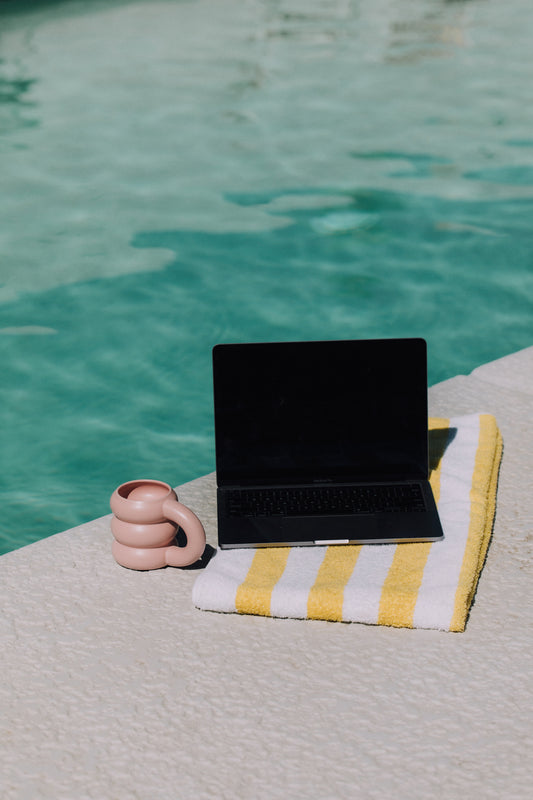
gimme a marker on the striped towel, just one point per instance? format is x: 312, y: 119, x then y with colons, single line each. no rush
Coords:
x: 418, y: 585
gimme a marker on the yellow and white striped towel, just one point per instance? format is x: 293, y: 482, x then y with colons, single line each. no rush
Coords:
x: 419, y: 585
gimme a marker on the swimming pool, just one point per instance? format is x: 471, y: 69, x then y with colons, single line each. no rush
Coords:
x: 175, y: 174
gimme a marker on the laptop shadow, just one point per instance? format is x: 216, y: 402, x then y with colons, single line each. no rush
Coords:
x: 439, y: 440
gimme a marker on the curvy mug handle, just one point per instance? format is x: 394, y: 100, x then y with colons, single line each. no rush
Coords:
x: 194, y: 530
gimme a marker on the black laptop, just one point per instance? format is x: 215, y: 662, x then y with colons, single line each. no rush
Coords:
x: 322, y: 443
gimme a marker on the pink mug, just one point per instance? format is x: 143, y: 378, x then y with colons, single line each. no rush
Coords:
x: 146, y: 518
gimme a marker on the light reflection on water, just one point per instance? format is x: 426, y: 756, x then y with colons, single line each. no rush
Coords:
x: 259, y: 172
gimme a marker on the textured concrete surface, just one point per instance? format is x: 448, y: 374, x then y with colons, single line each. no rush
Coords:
x: 115, y: 686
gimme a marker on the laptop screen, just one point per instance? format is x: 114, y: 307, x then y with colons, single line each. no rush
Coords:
x: 334, y: 411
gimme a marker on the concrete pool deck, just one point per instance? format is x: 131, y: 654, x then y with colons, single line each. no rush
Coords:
x: 115, y: 686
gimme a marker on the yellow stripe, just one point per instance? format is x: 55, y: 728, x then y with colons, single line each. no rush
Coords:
x: 327, y: 594
x: 400, y: 588
x: 482, y: 509
x: 255, y: 592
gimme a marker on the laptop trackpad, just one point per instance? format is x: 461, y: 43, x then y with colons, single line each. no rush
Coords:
x: 334, y: 527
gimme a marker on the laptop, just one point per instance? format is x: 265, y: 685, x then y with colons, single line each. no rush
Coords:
x: 322, y: 443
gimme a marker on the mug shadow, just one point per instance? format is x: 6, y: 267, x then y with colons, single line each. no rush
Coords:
x: 202, y: 562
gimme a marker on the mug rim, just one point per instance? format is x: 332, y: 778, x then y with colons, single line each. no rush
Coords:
x: 126, y: 488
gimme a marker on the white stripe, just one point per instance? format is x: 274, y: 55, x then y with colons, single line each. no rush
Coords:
x: 436, y: 596
x: 291, y: 593
x: 362, y: 593
x: 216, y: 588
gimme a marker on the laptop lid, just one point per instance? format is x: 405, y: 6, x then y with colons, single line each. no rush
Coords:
x: 292, y: 413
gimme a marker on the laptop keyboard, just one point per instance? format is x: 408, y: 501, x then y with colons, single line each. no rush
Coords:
x: 317, y: 500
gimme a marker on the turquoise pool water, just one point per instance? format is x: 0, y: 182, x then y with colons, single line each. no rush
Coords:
x: 175, y: 174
